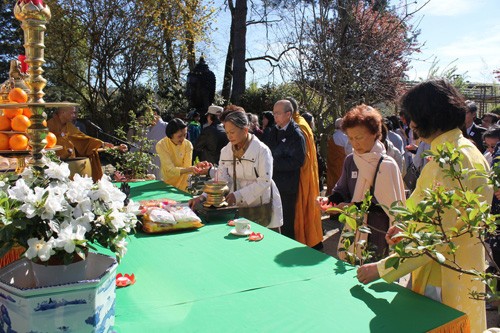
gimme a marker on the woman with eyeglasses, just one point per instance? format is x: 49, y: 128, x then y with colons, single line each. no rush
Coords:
x: 247, y: 165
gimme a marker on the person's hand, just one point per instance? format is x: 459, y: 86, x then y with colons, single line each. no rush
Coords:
x: 323, y: 203
x: 497, y: 194
x: 390, y: 233
x: 202, y: 168
x: 195, y: 201
x: 368, y: 273
x: 231, y: 199
x: 123, y: 148
x: 340, y: 206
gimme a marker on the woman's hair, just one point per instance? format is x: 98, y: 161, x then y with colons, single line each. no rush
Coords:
x: 230, y: 109
x: 174, y: 126
x: 237, y: 118
x: 433, y: 106
x: 269, y: 116
x: 363, y: 115
x: 492, y: 132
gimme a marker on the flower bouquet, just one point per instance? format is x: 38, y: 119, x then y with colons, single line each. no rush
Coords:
x: 57, y: 219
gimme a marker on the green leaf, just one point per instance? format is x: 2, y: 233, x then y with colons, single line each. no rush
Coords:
x: 351, y: 222
x: 392, y: 262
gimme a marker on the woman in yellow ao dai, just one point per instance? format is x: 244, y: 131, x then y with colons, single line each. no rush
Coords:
x: 176, y: 155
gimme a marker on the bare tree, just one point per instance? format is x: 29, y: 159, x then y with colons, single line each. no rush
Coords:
x: 346, y: 52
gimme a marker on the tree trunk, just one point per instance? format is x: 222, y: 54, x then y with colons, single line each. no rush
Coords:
x: 239, y: 50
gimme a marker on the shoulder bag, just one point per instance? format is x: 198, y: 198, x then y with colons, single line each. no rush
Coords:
x: 260, y: 214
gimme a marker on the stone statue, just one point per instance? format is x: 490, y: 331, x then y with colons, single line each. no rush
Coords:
x: 200, y: 89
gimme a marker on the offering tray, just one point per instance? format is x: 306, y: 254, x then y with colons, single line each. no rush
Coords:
x: 216, y: 214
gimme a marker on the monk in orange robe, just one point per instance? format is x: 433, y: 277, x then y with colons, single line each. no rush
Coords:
x: 74, y: 142
x: 308, y: 226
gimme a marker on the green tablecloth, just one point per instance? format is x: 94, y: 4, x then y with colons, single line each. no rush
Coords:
x: 208, y: 280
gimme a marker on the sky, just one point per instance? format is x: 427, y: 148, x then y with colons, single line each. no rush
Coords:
x: 460, y: 33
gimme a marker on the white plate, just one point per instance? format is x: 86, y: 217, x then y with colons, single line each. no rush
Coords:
x: 246, y: 233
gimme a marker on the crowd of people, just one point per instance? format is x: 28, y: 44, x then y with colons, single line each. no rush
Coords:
x: 277, y: 165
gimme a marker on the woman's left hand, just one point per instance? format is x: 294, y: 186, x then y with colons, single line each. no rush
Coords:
x: 231, y: 199
x: 368, y: 273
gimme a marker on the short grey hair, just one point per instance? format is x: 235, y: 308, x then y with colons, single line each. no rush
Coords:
x: 238, y: 119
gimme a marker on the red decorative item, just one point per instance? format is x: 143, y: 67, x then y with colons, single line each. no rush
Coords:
x: 230, y: 223
x: 255, y: 237
x: 24, y: 65
x: 35, y: 2
x: 124, y: 280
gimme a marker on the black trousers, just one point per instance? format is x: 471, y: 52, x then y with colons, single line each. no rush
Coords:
x: 288, y: 203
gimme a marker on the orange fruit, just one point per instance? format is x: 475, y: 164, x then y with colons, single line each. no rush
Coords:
x: 4, y: 142
x: 27, y: 112
x: 20, y: 123
x: 11, y: 113
x: 18, y: 95
x: 51, y: 140
x: 18, y: 142
x: 44, y: 123
x: 4, y: 123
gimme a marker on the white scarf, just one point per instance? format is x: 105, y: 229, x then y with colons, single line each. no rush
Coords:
x: 367, y: 164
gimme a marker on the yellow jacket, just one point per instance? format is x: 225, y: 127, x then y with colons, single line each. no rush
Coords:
x: 427, y: 275
x: 173, y: 158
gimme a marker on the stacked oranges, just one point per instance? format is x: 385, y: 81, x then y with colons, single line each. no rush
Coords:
x: 18, y: 120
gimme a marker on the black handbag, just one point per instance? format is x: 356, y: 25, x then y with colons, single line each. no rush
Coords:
x: 410, y: 179
x: 261, y: 214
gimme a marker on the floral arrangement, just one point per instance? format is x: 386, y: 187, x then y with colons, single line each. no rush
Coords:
x: 57, y: 219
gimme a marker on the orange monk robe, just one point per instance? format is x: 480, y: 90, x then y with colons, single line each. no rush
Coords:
x: 76, y: 144
x: 308, y: 227
x: 334, y: 164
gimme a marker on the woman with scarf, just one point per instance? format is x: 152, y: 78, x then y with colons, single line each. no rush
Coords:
x: 368, y: 164
x: 247, y: 165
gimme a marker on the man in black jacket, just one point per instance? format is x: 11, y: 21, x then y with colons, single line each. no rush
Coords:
x: 212, y: 138
x: 474, y: 131
x: 287, y: 145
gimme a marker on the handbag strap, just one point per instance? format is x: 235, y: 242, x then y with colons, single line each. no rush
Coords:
x: 372, y: 188
x: 256, y: 174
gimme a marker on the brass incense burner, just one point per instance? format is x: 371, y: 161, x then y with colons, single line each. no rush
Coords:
x: 216, y: 193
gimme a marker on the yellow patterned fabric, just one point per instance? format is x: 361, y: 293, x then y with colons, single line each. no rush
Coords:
x: 173, y: 158
x: 308, y: 228
x: 427, y: 275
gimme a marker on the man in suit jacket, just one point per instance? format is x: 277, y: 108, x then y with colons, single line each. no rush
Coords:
x: 287, y: 145
x: 474, y: 132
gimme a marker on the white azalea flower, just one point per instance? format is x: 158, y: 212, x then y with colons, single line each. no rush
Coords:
x: 82, y: 207
x: 53, y: 204
x: 20, y: 191
x: 117, y: 220
x: 68, y: 235
x: 39, y: 248
x: 57, y: 171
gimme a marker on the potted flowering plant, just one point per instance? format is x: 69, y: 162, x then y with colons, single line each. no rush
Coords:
x: 57, y: 219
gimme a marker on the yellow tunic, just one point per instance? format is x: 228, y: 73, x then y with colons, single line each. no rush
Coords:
x: 308, y: 227
x: 76, y: 144
x: 173, y: 158
x: 426, y: 273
